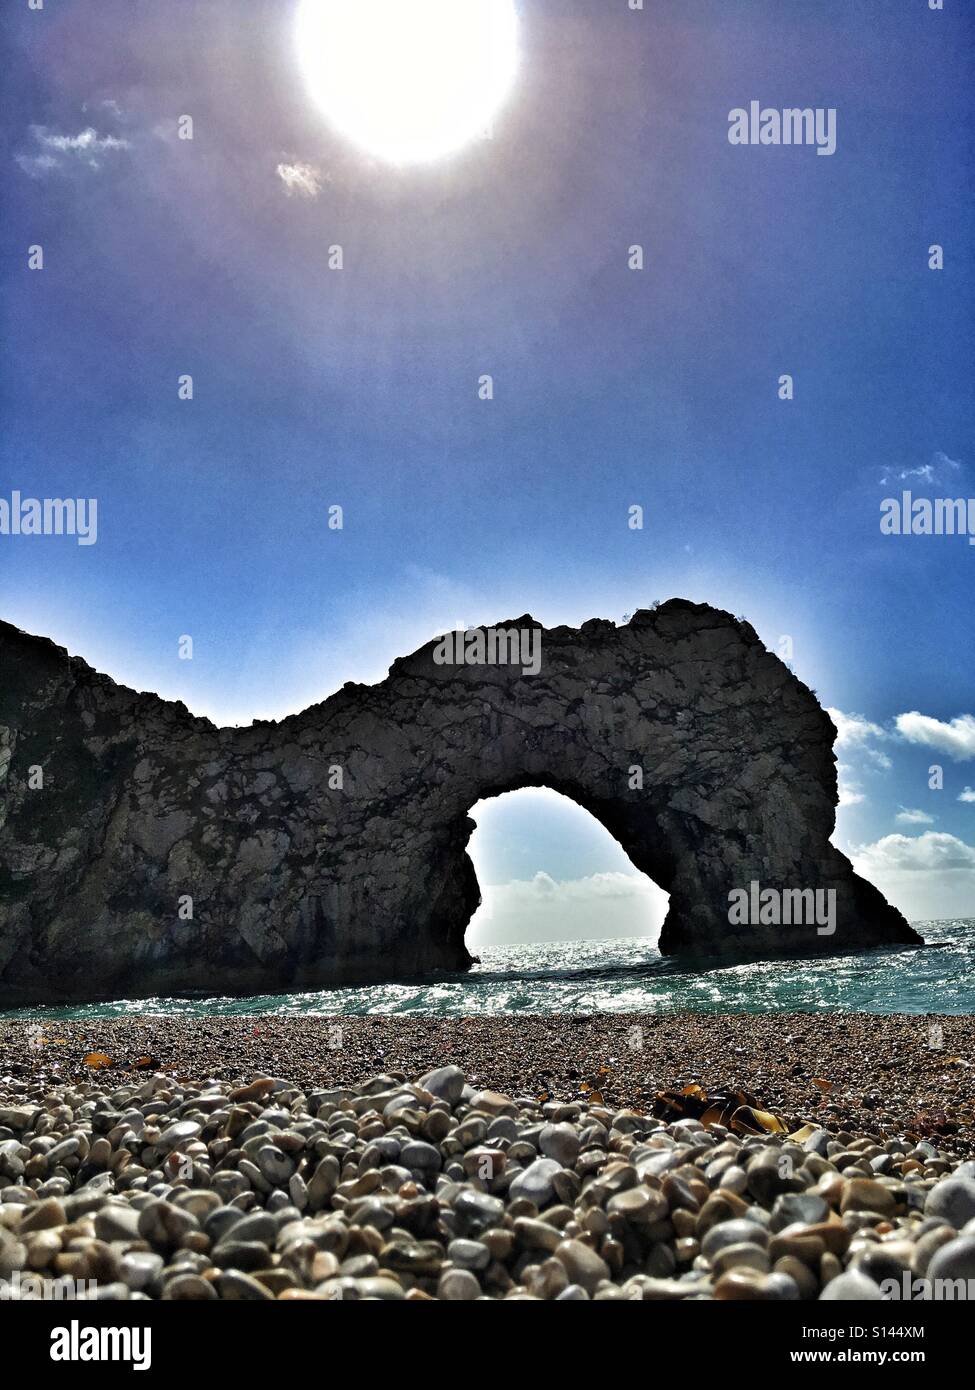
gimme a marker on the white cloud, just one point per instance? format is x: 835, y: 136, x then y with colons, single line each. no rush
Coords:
x: 955, y: 737
x: 300, y: 180
x: 53, y: 150
x: 849, y: 792
x: 544, y: 909
x: 908, y: 817
x: 935, y: 850
x: 856, y: 734
x: 927, y: 876
x: 610, y: 885
x: 852, y: 730
x: 87, y: 142
x: 940, y: 470
x: 967, y: 795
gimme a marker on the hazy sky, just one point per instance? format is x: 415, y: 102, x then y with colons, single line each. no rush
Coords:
x: 359, y: 387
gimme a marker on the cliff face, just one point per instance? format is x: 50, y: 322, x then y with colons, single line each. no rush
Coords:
x: 144, y: 851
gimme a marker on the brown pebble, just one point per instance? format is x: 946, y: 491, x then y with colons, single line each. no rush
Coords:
x: 833, y: 1234
x: 863, y: 1194
x: 741, y: 1286
x: 43, y: 1216
x: 257, y: 1089
x: 798, y: 1270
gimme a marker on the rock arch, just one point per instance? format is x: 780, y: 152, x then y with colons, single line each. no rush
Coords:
x: 298, y: 882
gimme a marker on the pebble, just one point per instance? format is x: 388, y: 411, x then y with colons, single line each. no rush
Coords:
x: 582, y: 1264
x: 561, y: 1143
x: 641, y: 1205
x: 115, y: 1221
x: 805, y: 1208
x: 537, y: 1235
x: 863, y: 1194
x: 189, y: 1286
x: 275, y: 1167
x: 492, y: 1103
x: 930, y: 1242
x: 255, y: 1090
x: 240, y: 1254
x: 446, y: 1083
x: 807, y: 1285
x: 852, y: 1286
x: 766, y: 1178
x: 421, y: 1155
x: 741, y: 1285
x: 477, y: 1210
x: 733, y: 1233
x: 163, y: 1224
x: 469, y: 1254
x: 66, y: 1149
x: 18, y: 1117
x: 183, y: 1132
x: 234, y: 1285
x: 953, y: 1200
x: 257, y: 1226
x: 43, y: 1216
x: 536, y: 1183
x: 458, y: 1284
x: 400, y: 1190
x: 817, y: 1142
x: 741, y: 1256
x: 139, y: 1268
x: 954, y: 1260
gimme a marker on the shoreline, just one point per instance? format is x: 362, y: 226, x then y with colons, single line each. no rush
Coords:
x: 870, y: 1074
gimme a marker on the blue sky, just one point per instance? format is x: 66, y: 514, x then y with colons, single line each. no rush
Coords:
x: 612, y: 387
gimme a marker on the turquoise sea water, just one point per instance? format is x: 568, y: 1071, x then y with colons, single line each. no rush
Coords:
x: 629, y: 976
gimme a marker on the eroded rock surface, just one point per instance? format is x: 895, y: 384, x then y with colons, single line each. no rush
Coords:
x: 331, y: 846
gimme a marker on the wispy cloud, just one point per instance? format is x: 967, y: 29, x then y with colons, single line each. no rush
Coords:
x: 968, y: 794
x: 941, y: 469
x: 906, y: 816
x: 54, y: 150
x: 301, y: 180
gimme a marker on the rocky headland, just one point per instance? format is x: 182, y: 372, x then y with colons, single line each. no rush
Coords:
x: 144, y: 851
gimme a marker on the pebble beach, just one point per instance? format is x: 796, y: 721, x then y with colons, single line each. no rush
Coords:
x: 517, y: 1158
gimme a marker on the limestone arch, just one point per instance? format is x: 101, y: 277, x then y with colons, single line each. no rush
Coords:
x: 298, y: 884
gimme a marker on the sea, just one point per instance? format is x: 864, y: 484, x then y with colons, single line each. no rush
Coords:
x: 625, y: 975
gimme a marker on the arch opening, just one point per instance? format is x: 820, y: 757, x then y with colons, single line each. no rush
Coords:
x: 550, y: 871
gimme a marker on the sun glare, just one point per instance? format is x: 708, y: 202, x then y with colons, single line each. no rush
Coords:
x: 408, y: 80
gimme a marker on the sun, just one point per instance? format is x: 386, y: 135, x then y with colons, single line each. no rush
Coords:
x: 408, y: 80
